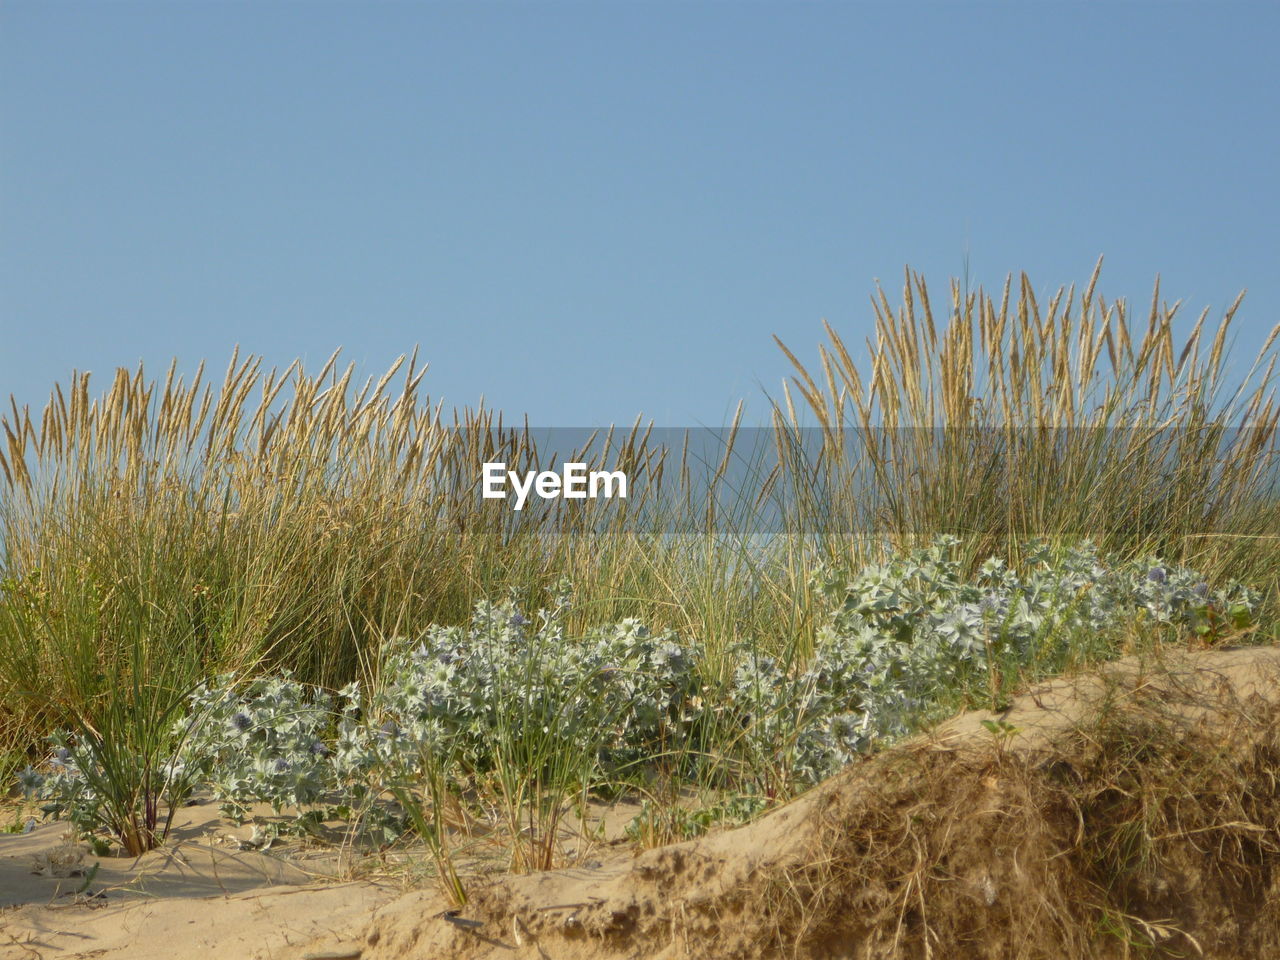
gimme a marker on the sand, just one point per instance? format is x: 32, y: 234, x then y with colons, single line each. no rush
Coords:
x: 200, y: 895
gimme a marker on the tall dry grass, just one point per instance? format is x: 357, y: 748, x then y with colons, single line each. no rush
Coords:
x: 1005, y: 420
x: 275, y: 519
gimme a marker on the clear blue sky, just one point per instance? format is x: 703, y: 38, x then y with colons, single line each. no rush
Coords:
x: 589, y: 211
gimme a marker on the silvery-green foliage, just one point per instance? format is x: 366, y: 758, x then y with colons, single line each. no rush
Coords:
x: 900, y: 632
x: 262, y: 742
x: 63, y: 787
x: 611, y: 696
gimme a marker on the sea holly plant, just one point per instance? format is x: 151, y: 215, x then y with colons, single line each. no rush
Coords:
x: 511, y: 703
x: 900, y: 634
x: 511, y: 706
x: 262, y: 742
x: 505, y: 678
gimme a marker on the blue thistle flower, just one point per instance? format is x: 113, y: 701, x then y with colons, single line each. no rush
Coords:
x: 30, y: 780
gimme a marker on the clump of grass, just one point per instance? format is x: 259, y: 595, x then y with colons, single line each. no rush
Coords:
x: 279, y: 519
x: 1008, y: 421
